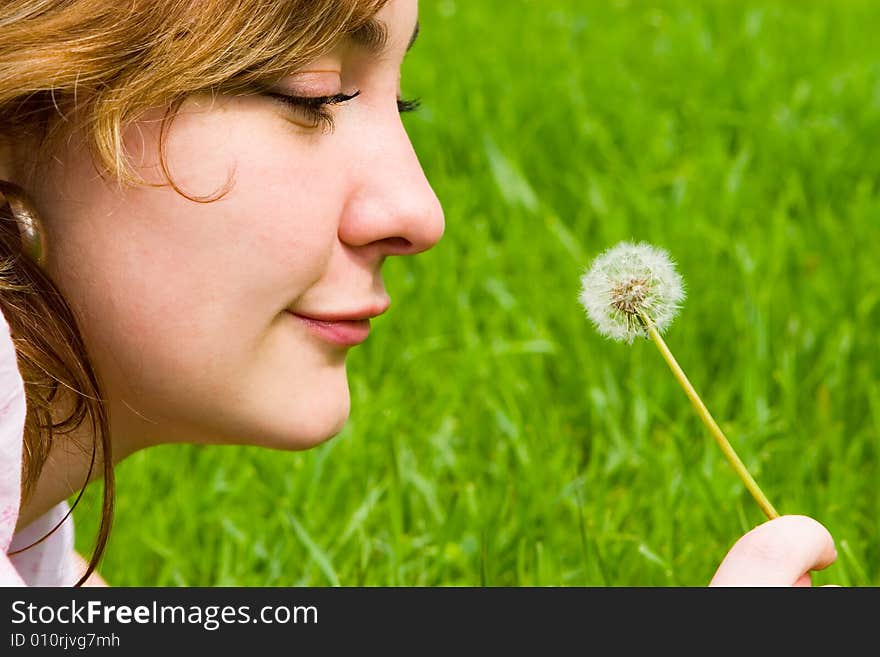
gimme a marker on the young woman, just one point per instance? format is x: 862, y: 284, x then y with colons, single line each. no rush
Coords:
x: 199, y: 197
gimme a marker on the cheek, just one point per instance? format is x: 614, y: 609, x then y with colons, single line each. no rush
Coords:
x: 179, y: 301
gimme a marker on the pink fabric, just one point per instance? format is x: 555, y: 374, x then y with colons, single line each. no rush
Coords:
x: 51, y: 562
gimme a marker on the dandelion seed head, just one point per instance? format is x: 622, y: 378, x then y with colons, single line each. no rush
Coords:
x: 627, y: 282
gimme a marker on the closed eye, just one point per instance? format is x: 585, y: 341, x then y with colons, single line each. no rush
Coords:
x: 408, y: 105
x: 317, y: 108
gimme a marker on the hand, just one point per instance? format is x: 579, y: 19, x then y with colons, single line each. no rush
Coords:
x: 780, y: 552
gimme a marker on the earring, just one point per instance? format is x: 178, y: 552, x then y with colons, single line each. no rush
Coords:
x: 28, y: 220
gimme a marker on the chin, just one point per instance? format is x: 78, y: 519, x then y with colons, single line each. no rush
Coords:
x: 316, y: 424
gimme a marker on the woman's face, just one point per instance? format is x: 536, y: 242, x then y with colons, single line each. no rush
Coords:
x: 186, y: 308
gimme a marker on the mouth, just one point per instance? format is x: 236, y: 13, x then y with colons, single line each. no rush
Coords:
x: 344, y: 329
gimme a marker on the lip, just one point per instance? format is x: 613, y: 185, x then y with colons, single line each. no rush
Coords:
x: 346, y: 329
x: 345, y: 332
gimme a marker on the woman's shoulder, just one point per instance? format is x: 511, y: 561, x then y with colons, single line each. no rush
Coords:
x: 11, y: 384
x: 12, y: 416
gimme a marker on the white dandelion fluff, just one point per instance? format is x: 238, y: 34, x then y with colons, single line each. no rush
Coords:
x: 628, y: 284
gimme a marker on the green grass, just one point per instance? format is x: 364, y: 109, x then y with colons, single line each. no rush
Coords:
x: 495, y: 438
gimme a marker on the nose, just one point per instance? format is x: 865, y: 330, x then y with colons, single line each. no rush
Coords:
x: 392, y: 206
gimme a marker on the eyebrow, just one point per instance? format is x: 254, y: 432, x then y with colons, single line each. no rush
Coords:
x: 372, y: 36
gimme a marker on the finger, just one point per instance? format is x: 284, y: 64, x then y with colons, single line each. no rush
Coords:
x: 804, y: 580
x: 777, y: 553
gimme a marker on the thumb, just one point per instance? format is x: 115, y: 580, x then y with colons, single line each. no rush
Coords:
x: 780, y: 552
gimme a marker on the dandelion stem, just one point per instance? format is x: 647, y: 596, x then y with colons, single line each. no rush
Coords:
x: 707, y: 419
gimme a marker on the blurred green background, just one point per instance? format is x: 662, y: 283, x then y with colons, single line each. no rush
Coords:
x: 495, y: 438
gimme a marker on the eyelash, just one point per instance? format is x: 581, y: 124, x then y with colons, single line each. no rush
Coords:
x: 316, y: 108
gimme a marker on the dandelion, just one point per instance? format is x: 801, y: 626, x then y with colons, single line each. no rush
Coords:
x: 627, y: 282
x: 633, y: 290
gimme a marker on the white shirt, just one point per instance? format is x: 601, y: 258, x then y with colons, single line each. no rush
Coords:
x: 51, y: 562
